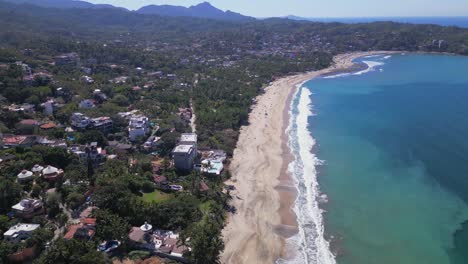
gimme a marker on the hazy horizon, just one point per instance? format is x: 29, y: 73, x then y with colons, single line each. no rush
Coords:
x: 315, y: 9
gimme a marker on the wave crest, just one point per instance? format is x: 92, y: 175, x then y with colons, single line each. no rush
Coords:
x: 310, y: 242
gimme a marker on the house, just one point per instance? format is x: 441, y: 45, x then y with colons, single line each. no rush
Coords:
x: 37, y: 169
x: 96, y: 154
x: 20, y: 232
x: 87, y: 104
x: 7, y: 157
x: 161, y: 242
x: 29, y: 122
x: 25, y: 176
x: 85, y: 230
x: 38, y: 78
x: 151, y: 142
x: 120, y: 80
x: 80, y: 121
x: 99, y: 96
x: 138, y: 127
x: 87, y: 79
x: 28, y: 208
x: 51, y: 173
x: 12, y: 141
x: 104, y: 124
x: 141, y: 237
x: 66, y: 59
x: 49, y: 107
x: 49, y: 125
x: 27, y: 108
x: 54, y: 143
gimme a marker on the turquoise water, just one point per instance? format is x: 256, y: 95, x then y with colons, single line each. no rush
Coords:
x: 395, y: 151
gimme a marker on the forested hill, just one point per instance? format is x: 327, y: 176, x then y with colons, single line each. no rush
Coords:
x: 332, y: 37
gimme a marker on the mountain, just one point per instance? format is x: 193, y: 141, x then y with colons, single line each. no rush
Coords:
x: 203, y: 10
x: 63, y: 4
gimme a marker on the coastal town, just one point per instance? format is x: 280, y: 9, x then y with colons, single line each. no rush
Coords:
x: 154, y: 139
x: 58, y: 147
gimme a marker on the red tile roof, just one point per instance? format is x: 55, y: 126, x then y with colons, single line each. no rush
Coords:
x: 88, y: 221
x: 48, y: 125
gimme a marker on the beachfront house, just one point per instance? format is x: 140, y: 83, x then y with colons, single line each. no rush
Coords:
x: 20, y: 232
x: 161, y: 242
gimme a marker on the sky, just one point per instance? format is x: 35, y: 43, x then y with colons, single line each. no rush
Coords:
x: 319, y: 8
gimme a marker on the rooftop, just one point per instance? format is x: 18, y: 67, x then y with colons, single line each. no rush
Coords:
x: 183, y: 149
x: 21, y: 228
x: 188, y: 137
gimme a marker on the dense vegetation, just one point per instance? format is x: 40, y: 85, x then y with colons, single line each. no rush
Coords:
x: 169, y: 63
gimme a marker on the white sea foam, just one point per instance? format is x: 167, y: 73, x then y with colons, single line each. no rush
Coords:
x: 310, y: 243
x: 337, y: 76
x: 371, y: 65
x: 387, y: 57
x: 372, y: 56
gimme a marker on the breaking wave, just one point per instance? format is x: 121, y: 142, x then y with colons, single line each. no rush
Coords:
x: 309, y: 244
x: 371, y: 66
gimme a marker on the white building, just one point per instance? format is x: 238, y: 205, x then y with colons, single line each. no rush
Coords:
x: 137, y: 127
x: 25, y: 176
x: 20, y: 232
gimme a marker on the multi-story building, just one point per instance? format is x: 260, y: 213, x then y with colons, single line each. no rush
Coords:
x: 80, y: 121
x: 185, y: 152
x: 137, y: 127
x: 104, y: 124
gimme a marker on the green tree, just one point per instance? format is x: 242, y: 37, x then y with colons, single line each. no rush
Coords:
x: 73, y: 252
x: 74, y: 200
x: 10, y: 194
x: 53, y: 204
x: 110, y: 226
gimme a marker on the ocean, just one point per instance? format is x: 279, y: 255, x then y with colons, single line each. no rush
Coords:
x: 381, y: 163
x: 442, y: 21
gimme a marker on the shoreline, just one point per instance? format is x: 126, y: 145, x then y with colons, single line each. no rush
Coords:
x: 265, y: 192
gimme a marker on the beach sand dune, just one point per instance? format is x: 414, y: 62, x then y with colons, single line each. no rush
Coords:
x: 264, y: 191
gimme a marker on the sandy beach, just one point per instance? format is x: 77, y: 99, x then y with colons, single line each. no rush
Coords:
x: 264, y: 191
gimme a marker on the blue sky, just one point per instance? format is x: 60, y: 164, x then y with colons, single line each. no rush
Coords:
x: 320, y: 8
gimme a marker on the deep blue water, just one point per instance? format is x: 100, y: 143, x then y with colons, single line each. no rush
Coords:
x: 442, y: 21
x: 394, y: 142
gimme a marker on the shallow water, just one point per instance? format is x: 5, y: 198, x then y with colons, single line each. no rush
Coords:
x: 393, y: 139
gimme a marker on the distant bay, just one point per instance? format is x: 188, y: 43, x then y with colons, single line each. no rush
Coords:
x: 442, y: 21
x: 395, y: 159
